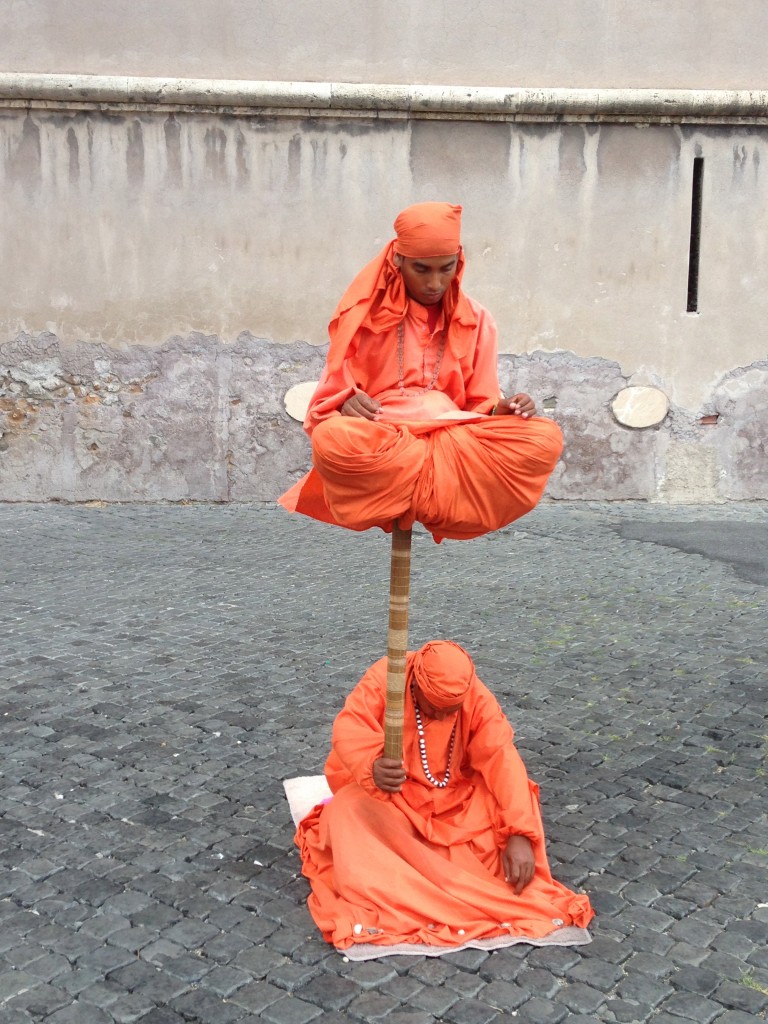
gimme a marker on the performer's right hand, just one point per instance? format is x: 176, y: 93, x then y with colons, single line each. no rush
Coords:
x: 362, y: 406
x: 388, y: 774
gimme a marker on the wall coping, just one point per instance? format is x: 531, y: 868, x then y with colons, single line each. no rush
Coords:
x: 344, y: 99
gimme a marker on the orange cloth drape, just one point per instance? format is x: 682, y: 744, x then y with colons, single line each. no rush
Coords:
x: 460, y: 478
x: 423, y: 865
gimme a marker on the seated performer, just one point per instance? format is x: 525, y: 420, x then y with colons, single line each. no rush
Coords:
x: 444, y: 847
x: 408, y: 422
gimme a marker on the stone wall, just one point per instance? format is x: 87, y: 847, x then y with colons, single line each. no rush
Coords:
x: 172, y: 250
x: 695, y: 44
x: 168, y: 276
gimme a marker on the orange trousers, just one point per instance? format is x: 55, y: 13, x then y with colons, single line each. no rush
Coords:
x: 459, y: 479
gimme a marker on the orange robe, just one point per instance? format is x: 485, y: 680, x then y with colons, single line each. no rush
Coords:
x: 434, y: 456
x: 424, y: 865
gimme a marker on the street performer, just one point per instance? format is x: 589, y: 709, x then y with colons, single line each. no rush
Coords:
x: 445, y: 846
x: 408, y: 422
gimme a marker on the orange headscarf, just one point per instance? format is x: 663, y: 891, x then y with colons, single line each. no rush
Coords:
x: 377, y: 298
x: 444, y: 672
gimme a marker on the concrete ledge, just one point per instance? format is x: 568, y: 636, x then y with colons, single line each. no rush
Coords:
x: 387, y: 101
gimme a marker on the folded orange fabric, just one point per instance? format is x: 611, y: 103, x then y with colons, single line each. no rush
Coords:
x: 461, y: 480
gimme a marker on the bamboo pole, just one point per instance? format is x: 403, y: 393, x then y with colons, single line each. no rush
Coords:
x: 397, y: 641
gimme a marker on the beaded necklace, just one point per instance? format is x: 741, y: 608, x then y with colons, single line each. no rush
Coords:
x: 401, y: 359
x: 423, y: 746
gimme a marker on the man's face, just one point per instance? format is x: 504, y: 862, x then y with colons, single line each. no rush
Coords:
x: 427, y: 708
x: 427, y: 278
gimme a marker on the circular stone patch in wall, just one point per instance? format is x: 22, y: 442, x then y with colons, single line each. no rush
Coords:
x: 297, y: 399
x: 640, y: 406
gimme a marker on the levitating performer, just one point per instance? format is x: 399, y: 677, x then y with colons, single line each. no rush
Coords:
x: 407, y: 422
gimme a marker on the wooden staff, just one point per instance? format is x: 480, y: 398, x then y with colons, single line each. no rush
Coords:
x: 397, y: 641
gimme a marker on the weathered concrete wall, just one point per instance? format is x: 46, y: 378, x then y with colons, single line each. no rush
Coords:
x: 654, y: 44
x: 192, y: 419
x: 123, y: 229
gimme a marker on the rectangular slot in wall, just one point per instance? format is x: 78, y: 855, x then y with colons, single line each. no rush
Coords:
x: 694, y: 251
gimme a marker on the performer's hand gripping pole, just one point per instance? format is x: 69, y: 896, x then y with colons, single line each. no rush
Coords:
x: 397, y: 641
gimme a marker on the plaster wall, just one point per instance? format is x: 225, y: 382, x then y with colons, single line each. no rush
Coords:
x: 695, y: 44
x: 168, y: 276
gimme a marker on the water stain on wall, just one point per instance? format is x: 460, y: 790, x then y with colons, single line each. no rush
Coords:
x: 216, y: 154
x: 241, y: 160
x: 134, y: 156
x: 173, y: 173
x: 23, y: 164
x: 572, y: 143
x: 294, y: 161
x: 73, y: 146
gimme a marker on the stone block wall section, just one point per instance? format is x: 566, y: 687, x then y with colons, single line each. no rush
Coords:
x: 172, y: 251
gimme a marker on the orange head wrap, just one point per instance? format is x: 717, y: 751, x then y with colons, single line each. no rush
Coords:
x: 377, y: 298
x: 444, y: 672
x: 428, y: 229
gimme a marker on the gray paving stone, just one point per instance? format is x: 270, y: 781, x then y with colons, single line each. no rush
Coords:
x: 16, y: 1016
x: 207, y: 1008
x: 624, y: 1011
x: 224, y: 981
x: 258, y: 961
x: 690, y: 1005
x: 369, y: 974
x: 685, y: 953
x: 434, y: 999
x: 580, y: 998
x: 131, y: 1007
x: 695, y: 979
x: 371, y: 1006
x: 80, y: 1012
x: 464, y: 983
x: 594, y: 973
x: 503, y: 995
x: 470, y: 1011
x: 329, y: 992
x: 727, y: 967
x: 555, y: 959
x: 544, y: 1011
x: 741, y: 997
x: 188, y: 967
x: 40, y: 1001
x: 12, y: 983
x: 641, y: 988
x: 290, y: 1011
x: 257, y: 996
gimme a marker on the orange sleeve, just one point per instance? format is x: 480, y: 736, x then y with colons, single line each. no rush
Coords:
x: 493, y: 754
x: 357, y: 739
x: 482, y: 385
x: 332, y: 391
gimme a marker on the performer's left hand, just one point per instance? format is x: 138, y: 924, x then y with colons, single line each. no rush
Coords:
x: 518, y: 405
x: 518, y: 862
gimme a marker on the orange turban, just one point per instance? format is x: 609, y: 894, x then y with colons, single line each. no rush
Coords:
x: 444, y: 672
x: 428, y: 229
x: 377, y: 299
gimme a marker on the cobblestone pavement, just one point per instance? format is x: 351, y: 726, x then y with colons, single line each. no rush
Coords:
x: 164, y: 668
